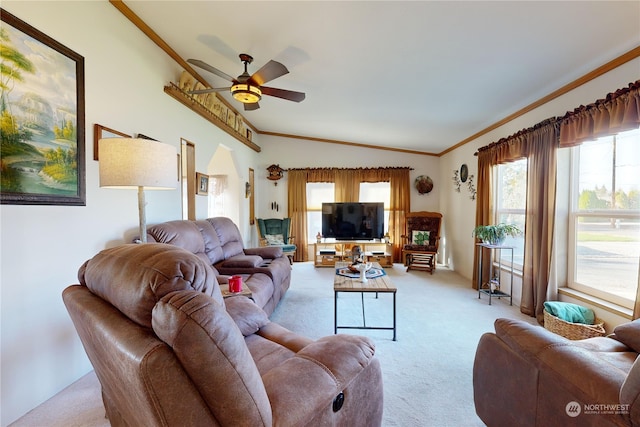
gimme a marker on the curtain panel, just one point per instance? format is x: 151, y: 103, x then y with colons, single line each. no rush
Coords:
x: 618, y: 112
x: 539, y: 145
x: 297, y: 211
x: 347, y: 189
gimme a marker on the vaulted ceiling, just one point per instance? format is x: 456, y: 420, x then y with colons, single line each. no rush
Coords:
x: 421, y: 76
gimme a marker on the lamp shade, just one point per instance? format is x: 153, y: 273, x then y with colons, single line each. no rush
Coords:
x: 134, y: 162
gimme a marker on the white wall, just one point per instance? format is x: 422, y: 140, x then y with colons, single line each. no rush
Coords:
x: 43, y: 246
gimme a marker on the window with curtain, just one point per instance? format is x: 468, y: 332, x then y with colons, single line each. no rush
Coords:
x: 219, y: 195
x: 511, y: 202
x: 377, y: 192
x: 605, y: 218
x: 317, y: 192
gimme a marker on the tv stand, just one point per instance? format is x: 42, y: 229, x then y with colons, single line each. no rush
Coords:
x: 326, y: 254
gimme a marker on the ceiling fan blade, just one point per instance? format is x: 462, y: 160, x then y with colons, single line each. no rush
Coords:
x: 210, y: 69
x: 269, y: 71
x: 289, y: 95
x: 251, y: 107
x: 212, y: 89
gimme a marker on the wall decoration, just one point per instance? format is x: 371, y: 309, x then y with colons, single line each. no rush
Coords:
x: 462, y: 176
x: 464, y: 173
x: 202, y: 184
x: 102, y: 132
x: 423, y: 184
x: 43, y: 139
x: 251, y: 196
x: 275, y: 173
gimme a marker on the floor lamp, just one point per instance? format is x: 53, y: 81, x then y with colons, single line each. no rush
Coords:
x: 137, y: 163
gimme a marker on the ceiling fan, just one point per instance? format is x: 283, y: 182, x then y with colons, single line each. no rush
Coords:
x: 247, y: 88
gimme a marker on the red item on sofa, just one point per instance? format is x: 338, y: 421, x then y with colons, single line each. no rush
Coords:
x: 235, y: 284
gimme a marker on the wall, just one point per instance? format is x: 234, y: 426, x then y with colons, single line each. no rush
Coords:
x: 43, y: 246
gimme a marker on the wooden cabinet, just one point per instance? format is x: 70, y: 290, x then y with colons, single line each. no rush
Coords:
x: 326, y: 254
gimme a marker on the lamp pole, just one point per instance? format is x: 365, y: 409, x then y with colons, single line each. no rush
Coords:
x: 142, y: 214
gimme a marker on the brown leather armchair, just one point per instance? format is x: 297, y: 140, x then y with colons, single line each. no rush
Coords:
x: 170, y: 351
x: 525, y: 375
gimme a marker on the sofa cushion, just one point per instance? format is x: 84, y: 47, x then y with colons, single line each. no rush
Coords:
x: 229, y: 235
x: 243, y: 261
x: 184, y: 234
x: 247, y: 315
x: 266, y: 252
x: 629, y: 334
x: 261, y: 286
x: 211, y: 241
x: 213, y: 353
x: 133, y: 277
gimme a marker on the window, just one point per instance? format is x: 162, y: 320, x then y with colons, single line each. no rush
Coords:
x: 317, y: 192
x: 605, y: 218
x: 511, y: 200
x: 377, y: 192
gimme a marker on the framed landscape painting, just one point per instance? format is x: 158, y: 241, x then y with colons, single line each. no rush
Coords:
x: 42, y: 150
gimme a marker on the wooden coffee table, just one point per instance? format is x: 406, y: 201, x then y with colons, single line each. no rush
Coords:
x: 381, y: 284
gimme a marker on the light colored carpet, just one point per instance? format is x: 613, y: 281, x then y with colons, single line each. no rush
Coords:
x: 427, y: 371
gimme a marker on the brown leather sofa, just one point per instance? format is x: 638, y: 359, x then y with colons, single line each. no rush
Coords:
x: 265, y: 270
x: 524, y: 375
x: 170, y: 351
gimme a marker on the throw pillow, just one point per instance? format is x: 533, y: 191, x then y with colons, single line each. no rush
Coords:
x: 420, y: 237
x: 274, y: 239
x: 629, y: 334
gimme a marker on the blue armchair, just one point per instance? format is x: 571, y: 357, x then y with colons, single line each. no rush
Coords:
x: 276, y: 232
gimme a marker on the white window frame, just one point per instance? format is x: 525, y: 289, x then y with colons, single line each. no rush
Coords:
x: 574, y: 215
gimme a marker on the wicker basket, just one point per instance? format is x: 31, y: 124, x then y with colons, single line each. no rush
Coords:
x: 573, y: 331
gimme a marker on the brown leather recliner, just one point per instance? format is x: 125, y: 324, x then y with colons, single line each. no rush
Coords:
x: 525, y: 375
x: 168, y: 350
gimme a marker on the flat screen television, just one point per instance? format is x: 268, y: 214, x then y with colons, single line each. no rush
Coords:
x: 353, y: 221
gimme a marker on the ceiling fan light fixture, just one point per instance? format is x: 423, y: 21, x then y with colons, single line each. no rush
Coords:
x: 246, y: 93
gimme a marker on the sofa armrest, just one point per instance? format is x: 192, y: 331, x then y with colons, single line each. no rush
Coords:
x: 266, y: 252
x: 315, y: 376
x: 281, y: 335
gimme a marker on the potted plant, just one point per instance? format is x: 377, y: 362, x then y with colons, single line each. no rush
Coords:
x: 495, y: 234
